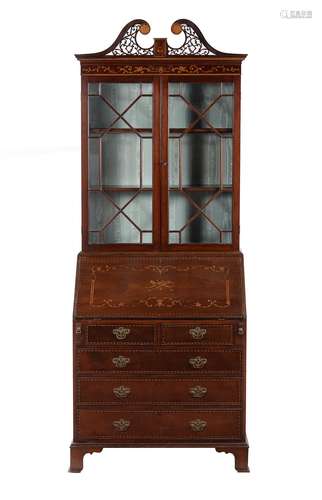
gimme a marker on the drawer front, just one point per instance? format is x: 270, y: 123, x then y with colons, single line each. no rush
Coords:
x: 225, y: 361
x: 162, y: 391
x: 220, y: 334
x: 120, y: 334
x: 96, y: 424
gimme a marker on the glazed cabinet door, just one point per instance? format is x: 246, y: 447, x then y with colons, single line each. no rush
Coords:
x: 120, y: 191
x: 198, y: 132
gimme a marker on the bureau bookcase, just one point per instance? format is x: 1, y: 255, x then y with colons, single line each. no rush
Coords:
x: 159, y: 330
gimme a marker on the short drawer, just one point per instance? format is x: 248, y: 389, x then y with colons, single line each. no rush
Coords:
x: 119, y: 334
x: 219, y: 424
x: 183, y: 360
x: 220, y: 334
x: 162, y: 391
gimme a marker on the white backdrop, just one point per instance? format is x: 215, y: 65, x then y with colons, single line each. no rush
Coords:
x: 40, y: 237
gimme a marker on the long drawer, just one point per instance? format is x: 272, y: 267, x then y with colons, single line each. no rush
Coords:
x: 183, y: 360
x: 95, y: 424
x: 121, y: 390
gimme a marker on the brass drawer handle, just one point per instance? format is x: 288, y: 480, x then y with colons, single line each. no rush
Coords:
x: 240, y: 330
x: 198, y: 391
x: 121, y: 333
x: 121, y: 425
x: 198, y: 362
x: 198, y: 425
x: 197, y: 333
x: 120, y: 361
x: 121, y: 391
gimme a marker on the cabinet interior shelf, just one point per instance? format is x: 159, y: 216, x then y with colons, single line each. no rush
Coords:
x: 149, y: 130
x: 183, y: 188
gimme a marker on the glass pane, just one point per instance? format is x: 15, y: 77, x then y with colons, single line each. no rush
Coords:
x: 146, y: 148
x: 173, y: 160
x: 147, y: 237
x: 120, y: 230
x: 219, y: 211
x: 174, y: 237
x: 227, y: 160
x: 200, y: 217
x: 180, y: 210
x: 101, y: 210
x: 124, y: 151
x: 120, y: 163
x: 120, y: 95
x: 120, y: 105
x: 181, y: 115
x: 140, y: 210
x: 140, y: 114
x: 220, y: 115
x: 94, y: 162
x: 200, y: 231
x: 100, y: 115
x: 200, y: 105
x: 200, y: 162
x: 116, y: 216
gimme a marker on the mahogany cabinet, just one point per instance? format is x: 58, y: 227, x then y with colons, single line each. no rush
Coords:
x: 159, y: 335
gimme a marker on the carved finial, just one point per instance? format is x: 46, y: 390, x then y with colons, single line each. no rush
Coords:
x: 176, y: 28
x: 145, y: 28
